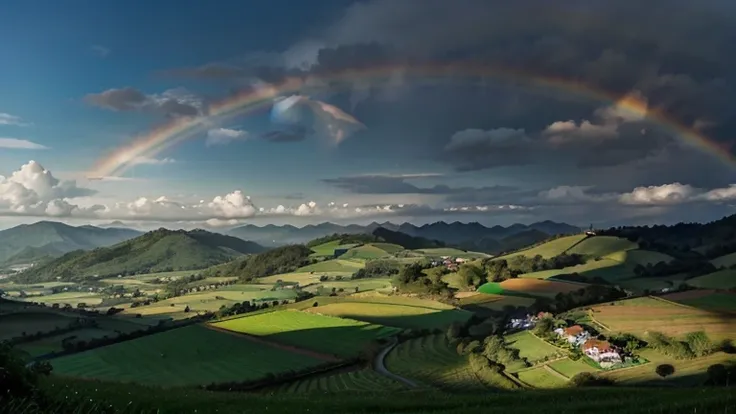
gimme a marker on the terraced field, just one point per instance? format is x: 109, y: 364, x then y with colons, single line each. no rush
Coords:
x: 640, y: 315
x: 550, y: 249
x: 531, y: 347
x: 401, y: 316
x: 365, y: 380
x: 179, y: 357
x: 330, y: 335
x: 431, y: 361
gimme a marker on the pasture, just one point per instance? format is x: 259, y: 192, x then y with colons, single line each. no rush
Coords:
x: 430, y: 360
x: 549, y: 249
x: 330, y: 335
x: 349, y: 286
x: 537, y: 288
x: 389, y: 248
x: 600, y: 246
x: 180, y: 357
x: 725, y: 261
x: 334, y: 265
x: 53, y: 343
x: 542, y: 377
x: 722, y: 279
x: 365, y: 252
x: 505, y: 301
x: 303, y: 278
x: 400, y: 316
x: 640, y: 315
x: 328, y: 249
x: 30, y: 322
x: 709, y: 300
x: 72, y: 298
x: 449, y: 251
x: 365, y: 380
x: 570, y: 368
x: 585, y: 269
x: 531, y: 347
x: 654, y: 284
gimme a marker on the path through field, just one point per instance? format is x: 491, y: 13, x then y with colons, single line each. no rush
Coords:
x: 381, y: 367
x: 302, y: 351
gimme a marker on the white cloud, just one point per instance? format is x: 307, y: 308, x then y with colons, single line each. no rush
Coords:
x: 14, y: 143
x: 674, y: 193
x: 7, y: 119
x: 224, y: 136
x: 152, y: 161
x: 233, y: 205
x: 568, y: 132
x: 721, y: 194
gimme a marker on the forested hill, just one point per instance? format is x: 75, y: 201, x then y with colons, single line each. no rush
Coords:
x: 279, y: 260
x: 157, y: 251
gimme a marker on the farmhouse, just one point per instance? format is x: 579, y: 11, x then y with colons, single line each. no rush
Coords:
x: 601, y: 352
x: 575, y: 334
x: 527, y: 322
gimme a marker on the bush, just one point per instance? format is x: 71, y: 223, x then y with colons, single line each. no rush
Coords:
x: 664, y: 370
x: 587, y: 379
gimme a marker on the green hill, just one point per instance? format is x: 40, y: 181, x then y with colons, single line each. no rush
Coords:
x: 273, y: 262
x: 157, y: 251
x: 29, y: 242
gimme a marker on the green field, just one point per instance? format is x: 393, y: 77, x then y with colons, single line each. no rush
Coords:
x: 654, y: 284
x: 716, y: 301
x: 585, y: 269
x: 722, y: 279
x: 389, y: 247
x: 365, y: 252
x: 184, y: 356
x: 328, y: 249
x: 348, y: 286
x: 53, y: 344
x: 71, y: 298
x: 448, y: 251
x: 335, y: 336
x: 726, y: 261
x: 541, y: 378
x: 31, y: 321
x: 430, y: 360
x: 549, y: 249
x: 401, y: 316
x: 600, y: 246
x: 531, y: 347
x: 365, y: 380
x: 570, y: 368
x: 334, y: 265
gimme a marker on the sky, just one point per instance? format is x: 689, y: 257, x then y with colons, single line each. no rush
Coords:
x: 184, y: 113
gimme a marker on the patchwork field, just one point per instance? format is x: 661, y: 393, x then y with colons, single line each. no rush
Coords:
x: 335, y: 265
x: 365, y: 380
x: 570, y: 368
x: 336, y: 336
x: 184, y: 356
x: 705, y: 299
x: 328, y: 249
x: 542, y: 377
x: 585, y: 269
x: 640, y: 315
x: 726, y: 261
x: 600, y: 246
x: 401, y: 316
x: 722, y: 279
x: 531, y: 347
x: 549, y: 249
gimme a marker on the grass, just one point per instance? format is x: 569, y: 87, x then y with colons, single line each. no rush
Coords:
x: 706, y: 299
x: 30, y: 322
x: 727, y: 260
x: 640, y: 315
x: 389, y: 248
x: 722, y: 279
x: 536, y: 288
x: 541, y: 378
x: 640, y: 284
x: 448, y: 251
x: 430, y: 360
x: 582, y: 269
x: 53, y: 344
x: 570, y: 368
x: 531, y: 347
x: 365, y: 380
x: 600, y: 246
x: 334, y: 265
x: 328, y: 249
x: 72, y: 298
x: 363, y: 285
x: 515, y: 301
x: 549, y: 249
x: 365, y: 252
x: 184, y: 356
x: 337, y: 336
x: 401, y: 316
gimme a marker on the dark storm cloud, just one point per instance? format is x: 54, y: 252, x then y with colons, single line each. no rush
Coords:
x: 173, y: 102
x: 124, y: 99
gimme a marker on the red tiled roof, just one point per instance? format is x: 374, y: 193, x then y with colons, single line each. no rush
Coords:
x: 574, y: 330
x: 602, y: 346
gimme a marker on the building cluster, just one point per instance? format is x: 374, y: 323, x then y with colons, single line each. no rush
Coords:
x: 528, y: 321
x: 451, y: 263
x: 599, y: 351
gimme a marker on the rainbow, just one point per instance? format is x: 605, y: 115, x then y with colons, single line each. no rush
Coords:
x: 164, y: 137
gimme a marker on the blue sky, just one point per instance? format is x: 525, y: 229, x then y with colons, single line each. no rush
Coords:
x: 77, y: 83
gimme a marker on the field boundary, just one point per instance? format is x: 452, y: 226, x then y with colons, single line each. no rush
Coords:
x: 556, y: 373
x: 597, y: 322
x: 682, y: 305
x: 380, y: 366
x: 293, y: 349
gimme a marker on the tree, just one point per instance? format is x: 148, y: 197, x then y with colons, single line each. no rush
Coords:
x: 664, y: 370
x: 699, y: 343
x: 471, y: 275
x: 186, y: 309
x: 544, y: 327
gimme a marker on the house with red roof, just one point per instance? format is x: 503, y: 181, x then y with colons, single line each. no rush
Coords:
x: 601, y: 352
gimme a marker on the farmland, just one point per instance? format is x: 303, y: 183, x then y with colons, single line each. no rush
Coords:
x: 365, y: 380
x: 447, y: 251
x: 529, y: 287
x: 71, y: 298
x: 365, y: 252
x: 722, y: 279
x: 53, y: 344
x: 583, y: 269
x: 402, y: 316
x: 328, y: 249
x: 161, y: 359
x: 334, y: 265
x: 640, y: 315
x: 541, y: 377
x: 706, y: 299
x: 30, y: 322
x: 549, y: 249
x: 570, y: 368
x: 600, y: 246
x: 531, y: 347
x: 725, y: 261
x: 336, y: 336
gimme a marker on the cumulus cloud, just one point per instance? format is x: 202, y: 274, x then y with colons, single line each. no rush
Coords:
x: 224, y: 136
x: 173, y: 102
x: 14, y: 143
x: 674, y: 193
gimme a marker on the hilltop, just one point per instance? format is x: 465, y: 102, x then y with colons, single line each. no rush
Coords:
x: 156, y: 251
x: 30, y: 242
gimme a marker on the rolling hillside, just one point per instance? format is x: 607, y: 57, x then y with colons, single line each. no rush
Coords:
x: 30, y: 242
x: 156, y: 251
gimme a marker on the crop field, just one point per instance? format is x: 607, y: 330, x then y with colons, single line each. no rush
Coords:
x: 30, y: 322
x: 722, y: 279
x: 430, y: 360
x: 355, y: 381
x: 534, y: 287
x: 515, y: 301
x: 335, y: 265
x: 363, y: 285
x: 600, y: 246
x: 570, y: 368
x: 448, y: 251
x: 640, y: 315
x: 336, y: 336
x: 371, y: 297
x: 727, y: 260
x: 689, y: 372
x: 706, y: 299
x: 328, y: 249
x: 531, y: 347
x: 365, y: 252
x: 303, y: 278
x: 640, y: 284
x: 72, y: 298
x: 389, y: 247
x: 184, y: 356
x: 550, y: 249
x: 476, y: 298
x: 53, y: 343
x: 401, y: 316
x: 585, y: 269
x: 541, y: 378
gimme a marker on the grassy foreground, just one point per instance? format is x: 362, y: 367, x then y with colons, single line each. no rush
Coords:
x: 117, y: 398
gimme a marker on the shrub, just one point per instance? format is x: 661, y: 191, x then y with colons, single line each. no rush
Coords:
x: 664, y: 370
x: 587, y: 379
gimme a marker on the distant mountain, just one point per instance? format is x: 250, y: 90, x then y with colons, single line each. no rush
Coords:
x: 472, y: 236
x: 405, y: 240
x: 29, y: 242
x: 157, y: 251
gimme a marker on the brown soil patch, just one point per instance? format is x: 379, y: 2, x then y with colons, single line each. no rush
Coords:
x: 461, y: 295
x: 252, y: 338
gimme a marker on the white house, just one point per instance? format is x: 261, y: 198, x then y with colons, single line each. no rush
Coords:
x: 575, y: 334
x: 601, y: 352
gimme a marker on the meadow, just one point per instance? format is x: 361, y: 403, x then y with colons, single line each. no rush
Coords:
x: 401, y: 316
x: 334, y: 265
x: 365, y: 252
x: 448, y: 251
x: 725, y: 261
x: 640, y: 315
x: 71, y: 298
x: 330, y: 335
x: 303, y: 278
x: 600, y: 246
x: 582, y: 269
x: 705, y: 299
x: 183, y: 356
x: 328, y: 249
x: 722, y: 279
x: 549, y: 249
x: 542, y: 377
x: 365, y: 380
x: 531, y: 347
x: 30, y: 322
x: 570, y: 368
x: 53, y: 343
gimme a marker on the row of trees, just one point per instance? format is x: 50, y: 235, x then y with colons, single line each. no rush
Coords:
x: 696, y: 344
x: 414, y: 279
x: 378, y: 268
